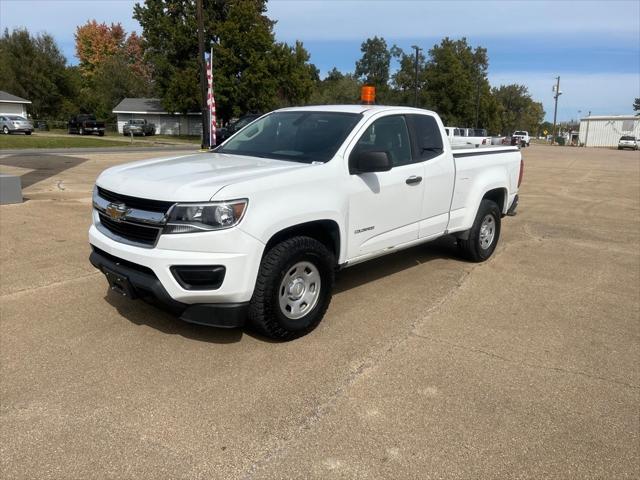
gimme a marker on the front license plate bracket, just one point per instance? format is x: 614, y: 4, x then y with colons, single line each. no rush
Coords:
x: 120, y: 284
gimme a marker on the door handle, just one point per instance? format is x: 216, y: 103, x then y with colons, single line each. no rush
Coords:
x: 413, y: 180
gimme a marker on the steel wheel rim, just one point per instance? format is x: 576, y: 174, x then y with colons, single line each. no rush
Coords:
x: 299, y: 290
x: 487, y: 231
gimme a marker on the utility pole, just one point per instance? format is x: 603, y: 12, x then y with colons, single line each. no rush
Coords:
x: 557, y: 91
x: 586, y: 135
x: 204, y: 142
x: 477, y: 102
x: 415, y: 103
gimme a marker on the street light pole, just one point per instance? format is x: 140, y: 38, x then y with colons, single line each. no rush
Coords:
x: 555, y: 110
x: 204, y: 142
x: 415, y: 103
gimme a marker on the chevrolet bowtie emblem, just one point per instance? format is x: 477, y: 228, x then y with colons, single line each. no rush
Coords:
x: 116, y: 211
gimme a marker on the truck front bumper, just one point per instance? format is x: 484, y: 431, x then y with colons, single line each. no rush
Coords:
x: 151, y: 272
x: 136, y: 281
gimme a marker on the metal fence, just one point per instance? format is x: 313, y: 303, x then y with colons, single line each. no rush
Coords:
x: 45, y: 124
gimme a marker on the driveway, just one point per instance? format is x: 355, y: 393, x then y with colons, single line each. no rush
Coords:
x: 425, y: 366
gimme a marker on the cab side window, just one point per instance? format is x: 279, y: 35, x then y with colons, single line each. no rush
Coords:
x: 388, y: 134
x: 427, y: 137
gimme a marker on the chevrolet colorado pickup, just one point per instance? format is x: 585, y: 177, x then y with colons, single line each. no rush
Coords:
x: 255, y: 230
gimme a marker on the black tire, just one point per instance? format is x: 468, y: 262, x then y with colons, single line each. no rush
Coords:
x: 265, y: 313
x: 27, y: 132
x: 101, y: 134
x: 471, y: 248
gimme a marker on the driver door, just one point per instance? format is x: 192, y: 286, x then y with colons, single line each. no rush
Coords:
x: 385, y: 207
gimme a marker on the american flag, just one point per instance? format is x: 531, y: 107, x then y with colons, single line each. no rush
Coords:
x: 211, y: 101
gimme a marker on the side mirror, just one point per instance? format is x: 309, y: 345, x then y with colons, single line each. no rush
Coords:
x: 370, y: 161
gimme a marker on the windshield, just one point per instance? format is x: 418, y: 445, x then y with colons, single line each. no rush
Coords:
x: 628, y: 138
x: 16, y: 117
x: 136, y: 122
x: 300, y: 136
x: 520, y: 133
x: 244, y: 121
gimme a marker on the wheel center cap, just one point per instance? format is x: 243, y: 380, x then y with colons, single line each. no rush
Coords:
x: 296, y: 288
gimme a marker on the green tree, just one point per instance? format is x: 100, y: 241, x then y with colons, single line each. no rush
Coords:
x: 252, y: 73
x: 457, y: 86
x: 33, y: 67
x: 373, y: 66
x: 636, y: 106
x: 517, y: 109
x: 404, y: 79
x: 337, y: 88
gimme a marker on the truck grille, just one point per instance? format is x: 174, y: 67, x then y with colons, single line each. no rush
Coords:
x: 134, y: 202
x: 131, y: 231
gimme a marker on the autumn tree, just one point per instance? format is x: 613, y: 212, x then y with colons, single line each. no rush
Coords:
x: 111, y: 66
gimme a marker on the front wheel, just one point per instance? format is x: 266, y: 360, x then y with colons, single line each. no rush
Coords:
x: 5, y: 130
x: 293, y: 289
x: 484, y: 234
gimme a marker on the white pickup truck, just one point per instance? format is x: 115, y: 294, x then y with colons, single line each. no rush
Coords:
x: 467, y: 137
x: 255, y: 230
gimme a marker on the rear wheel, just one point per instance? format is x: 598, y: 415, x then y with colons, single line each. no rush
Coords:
x: 5, y: 130
x: 484, y: 234
x: 293, y: 288
x: 28, y: 132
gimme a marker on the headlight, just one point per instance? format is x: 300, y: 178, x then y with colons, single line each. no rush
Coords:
x: 197, y: 217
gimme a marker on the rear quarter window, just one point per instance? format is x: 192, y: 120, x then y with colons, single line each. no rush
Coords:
x: 428, y: 139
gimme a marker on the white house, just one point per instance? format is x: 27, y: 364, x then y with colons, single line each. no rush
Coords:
x: 150, y: 109
x: 605, y: 131
x: 13, y: 105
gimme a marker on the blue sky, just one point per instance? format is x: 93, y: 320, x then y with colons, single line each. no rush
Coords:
x: 593, y: 45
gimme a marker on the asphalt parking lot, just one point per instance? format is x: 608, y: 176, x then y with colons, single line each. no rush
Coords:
x: 526, y: 366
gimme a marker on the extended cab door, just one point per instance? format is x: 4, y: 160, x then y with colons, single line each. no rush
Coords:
x: 439, y: 174
x: 385, y: 207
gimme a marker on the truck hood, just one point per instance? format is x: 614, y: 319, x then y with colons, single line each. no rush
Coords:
x: 189, y: 178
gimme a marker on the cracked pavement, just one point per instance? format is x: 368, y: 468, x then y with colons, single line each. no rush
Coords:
x: 526, y: 366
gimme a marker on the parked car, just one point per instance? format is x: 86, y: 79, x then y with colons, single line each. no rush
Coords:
x: 628, y: 141
x: 138, y: 126
x: 255, y: 230
x: 523, y: 137
x: 85, y: 124
x: 15, y: 124
x: 225, y: 132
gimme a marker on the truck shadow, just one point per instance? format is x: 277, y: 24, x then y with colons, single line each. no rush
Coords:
x: 372, y: 270
x: 149, y: 313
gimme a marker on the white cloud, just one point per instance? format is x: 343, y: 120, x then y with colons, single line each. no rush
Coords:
x: 350, y: 19
x: 600, y: 93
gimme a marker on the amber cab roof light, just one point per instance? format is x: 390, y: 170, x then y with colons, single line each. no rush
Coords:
x: 368, y: 95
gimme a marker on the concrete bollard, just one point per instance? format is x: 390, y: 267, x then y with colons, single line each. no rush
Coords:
x: 10, y: 189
